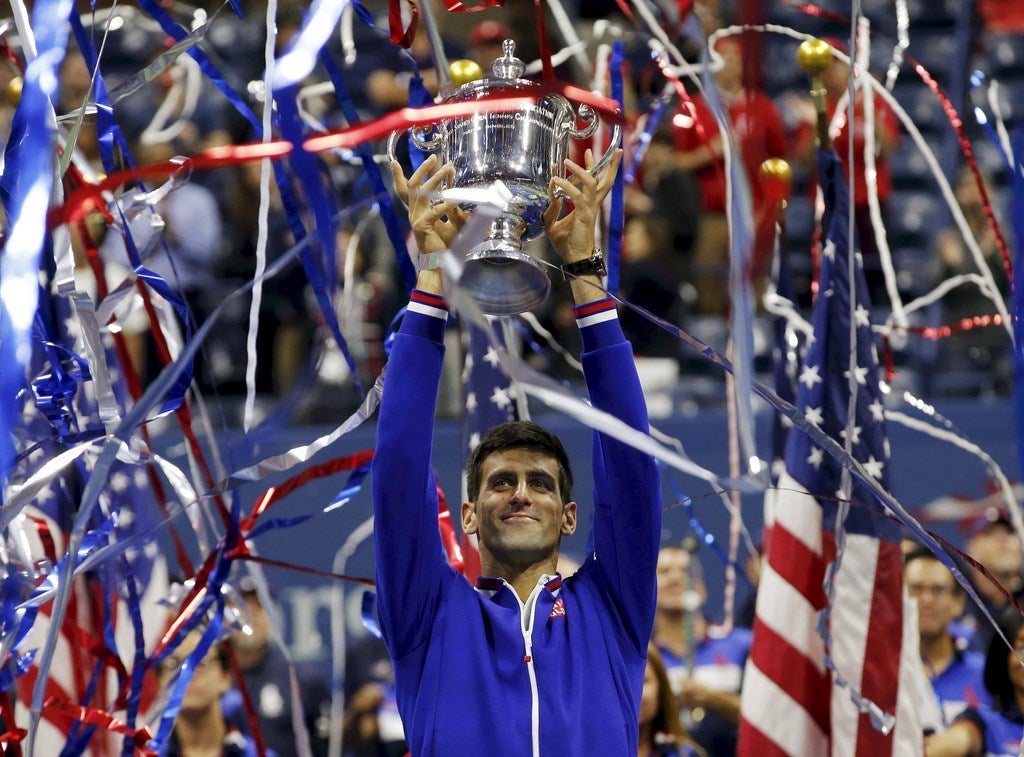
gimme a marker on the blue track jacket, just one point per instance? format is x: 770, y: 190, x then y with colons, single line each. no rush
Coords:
x: 477, y: 672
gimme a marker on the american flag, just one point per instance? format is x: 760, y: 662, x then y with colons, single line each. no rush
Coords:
x: 99, y: 612
x: 793, y: 700
x: 489, y: 401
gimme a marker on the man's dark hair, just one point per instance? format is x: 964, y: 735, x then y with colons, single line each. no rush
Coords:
x: 518, y: 435
x: 923, y: 553
x: 996, y: 673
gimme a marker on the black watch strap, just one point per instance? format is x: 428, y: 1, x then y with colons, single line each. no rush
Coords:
x: 592, y: 265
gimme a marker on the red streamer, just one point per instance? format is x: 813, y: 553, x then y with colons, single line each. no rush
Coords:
x: 448, y: 538
x: 965, y: 146
x: 813, y: 10
x: 276, y: 493
x: 400, y: 36
x: 63, y: 709
x: 90, y: 197
x: 542, y: 39
x: 456, y: 7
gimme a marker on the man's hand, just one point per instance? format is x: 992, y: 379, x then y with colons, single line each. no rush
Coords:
x: 434, y: 222
x: 573, y: 235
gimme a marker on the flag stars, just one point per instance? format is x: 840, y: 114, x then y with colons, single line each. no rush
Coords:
x: 810, y: 376
x: 471, y: 403
x: 815, y: 457
x: 501, y: 398
x: 853, y: 434
x: 474, y: 440
x: 874, y: 467
x: 860, y: 373
x: 815, y: 415
x: 877, y: 411
x: 119, y: 483
x: 491, y: 357
x: 861, y: 316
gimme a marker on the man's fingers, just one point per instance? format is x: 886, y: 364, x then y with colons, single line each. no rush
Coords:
x: 401, y: 185
x: 607, y: 180
x: 423, y: 171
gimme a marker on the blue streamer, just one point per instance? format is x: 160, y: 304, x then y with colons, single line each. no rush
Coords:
x: 107, y: 131
x: 139, y: 662
x: 1017, y: 202
x: 178, y: 33
x: 25, y: 188
x: 618, y: 216
x: 392, y: 226
x: 369, y: 614
x: 17, y: 666
x: 187, y: 670
x: 645, y: 136
x: 306, y: 170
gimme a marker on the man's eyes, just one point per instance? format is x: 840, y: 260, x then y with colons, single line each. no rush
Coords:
x: 504, y: 482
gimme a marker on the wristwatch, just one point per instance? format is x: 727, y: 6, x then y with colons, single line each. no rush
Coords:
x: 592, y: 265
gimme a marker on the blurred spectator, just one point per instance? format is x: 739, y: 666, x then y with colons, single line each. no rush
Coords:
x: 1001, y: 16
x: 286, y: 325
x: 886, y: 132
x: 643, y: 282
x: 955, y: 674
x: 997, y: 547
x: 705, y: 666
x: 995, y: 730
x: 201, y: 727
x: 372, y: 726
x: 760, y: 134
x: 988, y: 347
x: 181, y: 239
x: 388, y: 82
x: 661, y: 733
x: 665, y: 191
x: 267, y: 680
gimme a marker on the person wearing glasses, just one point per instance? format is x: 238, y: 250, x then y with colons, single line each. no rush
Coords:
x: 994, y: 731
x: 955, y: 673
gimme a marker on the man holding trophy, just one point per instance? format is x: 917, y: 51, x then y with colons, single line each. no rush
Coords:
x: 524, y: 658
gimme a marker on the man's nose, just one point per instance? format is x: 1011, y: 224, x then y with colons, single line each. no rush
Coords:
x: 522, y: 491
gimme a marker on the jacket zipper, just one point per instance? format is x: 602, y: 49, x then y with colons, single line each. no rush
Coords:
x: 526, y: 616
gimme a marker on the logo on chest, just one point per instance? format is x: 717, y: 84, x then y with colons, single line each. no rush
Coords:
x: 557, y: 609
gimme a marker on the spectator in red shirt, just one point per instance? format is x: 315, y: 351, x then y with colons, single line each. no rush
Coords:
x: 836, y: 79
x: 760, y: 134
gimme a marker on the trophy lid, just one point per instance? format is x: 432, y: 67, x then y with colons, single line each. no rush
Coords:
x: 508, y: 66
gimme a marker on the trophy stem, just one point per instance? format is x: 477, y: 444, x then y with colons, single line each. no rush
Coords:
x: 502, y: 278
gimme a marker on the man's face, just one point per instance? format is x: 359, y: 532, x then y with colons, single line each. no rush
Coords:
x: 519, y: 516
x: 998, y: 549
x: 676, y: 587
x: 938, y: 601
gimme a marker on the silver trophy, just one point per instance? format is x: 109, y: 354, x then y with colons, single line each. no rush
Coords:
x: 519, y: 149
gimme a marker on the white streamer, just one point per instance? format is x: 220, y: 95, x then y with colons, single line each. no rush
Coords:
x: 263, y: 233
x: 922, y: 145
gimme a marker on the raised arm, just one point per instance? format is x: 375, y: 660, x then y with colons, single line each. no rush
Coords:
x: 410, y: 569
x: 627, y: 489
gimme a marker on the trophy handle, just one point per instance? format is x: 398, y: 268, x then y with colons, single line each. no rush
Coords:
x: 424, y: 144
x: 427, y: 144
x: 590, y: 115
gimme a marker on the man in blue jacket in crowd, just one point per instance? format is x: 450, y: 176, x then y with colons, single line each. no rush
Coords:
x: 524, y: 662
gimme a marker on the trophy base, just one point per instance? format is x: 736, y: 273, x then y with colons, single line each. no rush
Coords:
x: 504, y: 280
